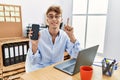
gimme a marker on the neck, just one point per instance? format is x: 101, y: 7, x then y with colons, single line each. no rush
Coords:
x: 54, y: 32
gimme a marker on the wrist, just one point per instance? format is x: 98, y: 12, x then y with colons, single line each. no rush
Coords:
x: 34, y: 49
x: 72, y: 39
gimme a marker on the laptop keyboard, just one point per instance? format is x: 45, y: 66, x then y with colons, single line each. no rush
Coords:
x: 70, y: 68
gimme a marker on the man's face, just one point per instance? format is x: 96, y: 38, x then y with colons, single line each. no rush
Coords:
x: 54, y: 20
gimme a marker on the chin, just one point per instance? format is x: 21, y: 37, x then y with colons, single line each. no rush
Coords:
x: 55, y: 27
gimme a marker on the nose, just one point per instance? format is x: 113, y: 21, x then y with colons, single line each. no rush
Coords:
x: 54, y: 18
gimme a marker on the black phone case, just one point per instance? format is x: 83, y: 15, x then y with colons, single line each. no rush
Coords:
x: 35, y: 29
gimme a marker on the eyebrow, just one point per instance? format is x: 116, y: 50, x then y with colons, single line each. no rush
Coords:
x: 55, y: 14
x: 50, y: 14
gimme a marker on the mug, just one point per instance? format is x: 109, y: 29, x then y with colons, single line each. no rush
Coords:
x: 86, y: 72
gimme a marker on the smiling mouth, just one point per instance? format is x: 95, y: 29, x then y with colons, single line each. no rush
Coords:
x: 54, y: 23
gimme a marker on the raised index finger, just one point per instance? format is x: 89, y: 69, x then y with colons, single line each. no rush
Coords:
x: 67, y: 21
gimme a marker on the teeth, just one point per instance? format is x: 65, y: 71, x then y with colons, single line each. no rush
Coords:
x: 54, y: 23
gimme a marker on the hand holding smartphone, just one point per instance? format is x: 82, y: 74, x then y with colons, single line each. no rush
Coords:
x: 35, y: 29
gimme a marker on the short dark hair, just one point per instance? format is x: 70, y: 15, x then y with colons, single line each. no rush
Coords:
x: 56, y: 9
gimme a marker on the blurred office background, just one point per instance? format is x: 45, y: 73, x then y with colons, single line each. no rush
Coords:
x: 94, y: 21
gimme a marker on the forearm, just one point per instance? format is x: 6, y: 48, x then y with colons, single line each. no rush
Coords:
x: 72, y: 38
x: 34, y: 48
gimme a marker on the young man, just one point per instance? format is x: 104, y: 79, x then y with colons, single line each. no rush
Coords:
x: 52, y: 42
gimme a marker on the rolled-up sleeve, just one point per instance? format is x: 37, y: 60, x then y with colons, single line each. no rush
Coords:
x: 32, y: 60
x: 73, y: 48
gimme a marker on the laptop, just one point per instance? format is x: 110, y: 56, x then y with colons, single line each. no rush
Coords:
x: 85, y: 57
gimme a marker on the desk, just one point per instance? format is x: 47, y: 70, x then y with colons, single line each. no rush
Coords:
x: 50, y: 73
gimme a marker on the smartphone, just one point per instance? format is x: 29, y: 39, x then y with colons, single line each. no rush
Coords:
x: 35, y: 29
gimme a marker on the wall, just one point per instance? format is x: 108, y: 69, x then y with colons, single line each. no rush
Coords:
x: 33, y: 11
x: 112, y: 37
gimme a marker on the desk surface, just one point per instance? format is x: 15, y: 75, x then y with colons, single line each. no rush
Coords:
x: 50, y: 73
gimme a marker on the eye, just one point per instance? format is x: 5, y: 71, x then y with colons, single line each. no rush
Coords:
x: 57, y: 17
x: 51, y: 16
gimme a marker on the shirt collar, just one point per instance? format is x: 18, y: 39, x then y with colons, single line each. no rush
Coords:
x: 50, y: 35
